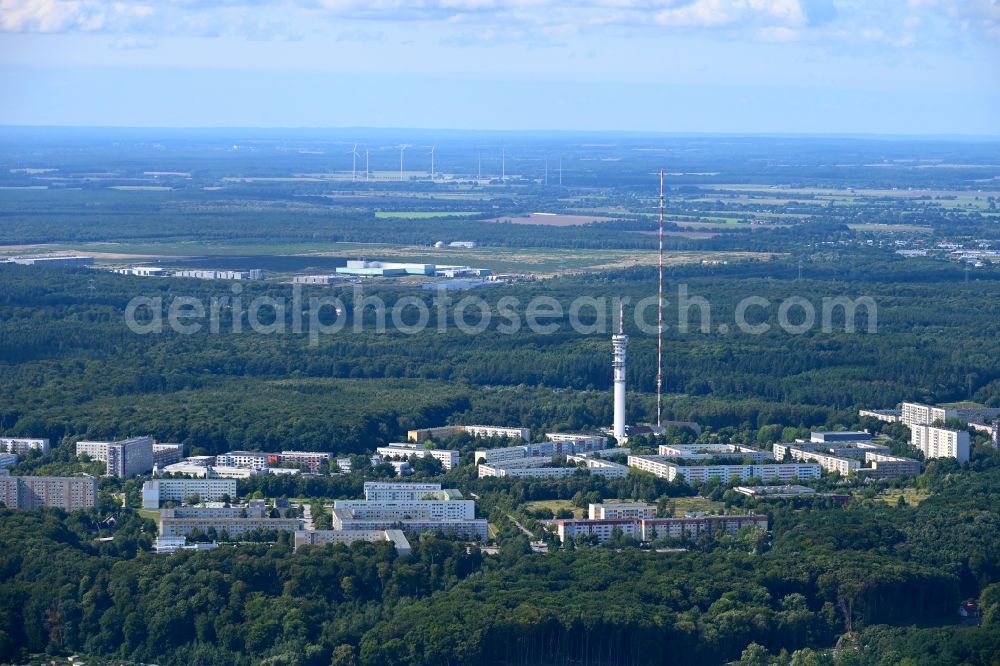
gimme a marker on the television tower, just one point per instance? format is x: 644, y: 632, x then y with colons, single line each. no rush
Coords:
x: 620, y: 343
x: 659, y: 319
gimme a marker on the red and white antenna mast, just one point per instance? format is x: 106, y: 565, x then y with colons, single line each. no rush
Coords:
x: 659, y: 319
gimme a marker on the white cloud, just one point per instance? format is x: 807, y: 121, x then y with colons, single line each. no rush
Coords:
x: 982, y: 15
x: 71, y: 15
x: 464, y: 21
x: 718, y: 13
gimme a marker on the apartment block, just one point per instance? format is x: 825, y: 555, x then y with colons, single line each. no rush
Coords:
x: 323, y: 537
x: 915, y: 413
x: 23, y: 445
x: 204, y: 522
x: 157, y: 491
x: 886, y: 415
x: 605, y: 468
x: 381, y: 491
x: 167, y: 454
x: 529, y: 468
x: 444, y: 432
x: 890, y: 467
x: 448, y: 458
x: 124, y: 458
x: 831, y: 463
x: 7, y: 460
x: 310, y: 460
x: 789, y: 491
x: 473, y: 528
x: 663, y: 467
x: 709, y: 451
x: 215, y: 512
x: 651, y: 529
x: 937, y: 442
x: 413, y: 507
x: 403, y: 509
x: 247, y: 459
x: 621, y: 510
x: 602, y: 529
x: 658, y: 528
x: 68, y: 493
x: 581, y: 442
x: 827, y: 437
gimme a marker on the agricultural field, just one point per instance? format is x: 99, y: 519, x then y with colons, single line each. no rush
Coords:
x: 421, y: 215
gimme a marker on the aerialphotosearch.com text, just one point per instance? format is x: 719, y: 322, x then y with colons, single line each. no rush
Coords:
x: 319, y: 316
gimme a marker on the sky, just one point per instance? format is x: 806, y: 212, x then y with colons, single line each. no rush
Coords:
x: 922, y: 67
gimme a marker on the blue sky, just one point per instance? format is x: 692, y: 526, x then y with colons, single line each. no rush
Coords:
x: 771, y: 66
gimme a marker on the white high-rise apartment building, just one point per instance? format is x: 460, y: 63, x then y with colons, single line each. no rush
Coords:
x: 937, y: 442
x: 915, y: 413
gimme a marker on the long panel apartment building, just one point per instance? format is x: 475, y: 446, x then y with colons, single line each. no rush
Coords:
x: 937, y: 442
x: 167, y: 454
x: 447, y: 457
x: 472, y: 528
x: 832, y: 463
x: 69, y: 493
x: 234, y: 521
x: 884, y: 466
x: 379, y: 491
x: 24, y: 445
x: 709, y: 451
x: 323, y: 537
x: 651, y: 529
x: 124, y: 458
x: 664, y: 467
x: 444, y: 432
x: 433, y: 509
x: 157, y: 491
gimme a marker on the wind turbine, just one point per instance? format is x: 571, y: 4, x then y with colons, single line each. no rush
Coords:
x: 402, y: 149
x: 366, y: 164
x: 503, y: 165
x: 432, y: 163
x: 354, y: 162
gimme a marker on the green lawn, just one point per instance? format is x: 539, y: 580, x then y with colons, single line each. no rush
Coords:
x: 913, y: 496
x: 151, y: 514
x: 554, y: 506
x: 682, y: 505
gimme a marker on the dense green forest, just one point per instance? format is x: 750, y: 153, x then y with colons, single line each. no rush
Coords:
x: 824, y: 572
x: 70, y: 367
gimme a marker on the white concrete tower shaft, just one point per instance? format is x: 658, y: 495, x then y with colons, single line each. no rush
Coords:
x: 620, y: 344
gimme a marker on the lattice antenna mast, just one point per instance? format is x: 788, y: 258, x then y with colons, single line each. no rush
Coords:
x: 659, y: 319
